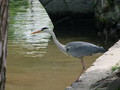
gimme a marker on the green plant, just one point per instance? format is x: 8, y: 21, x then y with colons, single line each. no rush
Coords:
x: 115, y: 68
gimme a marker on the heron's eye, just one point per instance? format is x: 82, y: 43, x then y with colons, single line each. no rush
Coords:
x: 67, y: 49
x: 44, y: 28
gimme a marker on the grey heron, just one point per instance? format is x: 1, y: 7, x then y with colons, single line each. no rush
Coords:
x: 76, y: 49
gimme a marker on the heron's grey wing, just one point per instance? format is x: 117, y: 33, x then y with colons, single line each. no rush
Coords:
x: 79, y: 49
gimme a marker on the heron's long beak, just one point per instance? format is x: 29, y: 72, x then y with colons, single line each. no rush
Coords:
x: 38, y: 31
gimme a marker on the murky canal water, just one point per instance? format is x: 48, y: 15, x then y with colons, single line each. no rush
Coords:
x: 33, y: 64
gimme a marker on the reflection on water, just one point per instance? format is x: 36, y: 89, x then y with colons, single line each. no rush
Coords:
x: 24, y: 24
x: 30, y: 65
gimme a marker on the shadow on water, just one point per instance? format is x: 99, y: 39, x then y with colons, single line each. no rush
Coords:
x: 34, y: 62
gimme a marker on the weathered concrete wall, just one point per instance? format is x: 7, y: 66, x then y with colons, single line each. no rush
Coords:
x: 100, y: 69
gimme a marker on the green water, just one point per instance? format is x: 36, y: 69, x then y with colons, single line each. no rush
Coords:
x: 34, y: 62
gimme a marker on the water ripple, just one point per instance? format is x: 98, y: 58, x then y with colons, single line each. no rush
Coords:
x: 26, y: 22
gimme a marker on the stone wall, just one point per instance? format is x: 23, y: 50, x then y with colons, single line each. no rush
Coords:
x: 76, y: 6
x: 67, y: 8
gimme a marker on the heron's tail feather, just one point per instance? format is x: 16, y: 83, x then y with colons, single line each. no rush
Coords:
x: 102, y: 50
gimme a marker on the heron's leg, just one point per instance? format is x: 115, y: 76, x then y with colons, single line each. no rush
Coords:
x: 83, y: 69
x: 83, y: 66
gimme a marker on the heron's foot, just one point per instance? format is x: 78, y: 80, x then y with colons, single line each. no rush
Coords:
x: 76, y: 82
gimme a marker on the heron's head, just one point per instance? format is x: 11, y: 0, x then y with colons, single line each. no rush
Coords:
x: 42, y: 30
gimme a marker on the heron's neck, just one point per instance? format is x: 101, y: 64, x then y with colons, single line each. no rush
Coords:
x: 58, y: 44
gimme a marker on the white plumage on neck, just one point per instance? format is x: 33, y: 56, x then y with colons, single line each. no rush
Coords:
x: 58, y: 44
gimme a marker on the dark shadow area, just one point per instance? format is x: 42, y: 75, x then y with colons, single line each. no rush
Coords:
x: 71, y: 18
x: 76, y: 26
